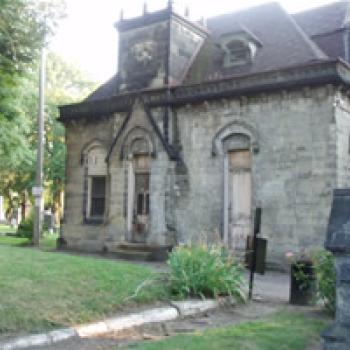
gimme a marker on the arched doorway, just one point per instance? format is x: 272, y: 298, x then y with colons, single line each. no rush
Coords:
x: 239, y: 198
x: 138, y: 151
x: 140, y: 197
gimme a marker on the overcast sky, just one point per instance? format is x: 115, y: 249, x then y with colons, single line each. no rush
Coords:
x: 88, y: 37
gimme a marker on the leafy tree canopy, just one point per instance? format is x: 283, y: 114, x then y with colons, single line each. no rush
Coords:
x: 25, y: 27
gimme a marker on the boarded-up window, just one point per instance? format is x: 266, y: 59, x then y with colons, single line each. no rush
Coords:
x: 97, y: 162
x: 240, y: 160
x: 240, y: 197
x: 98, y: 196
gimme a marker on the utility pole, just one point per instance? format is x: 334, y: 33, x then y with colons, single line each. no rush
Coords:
x: 38, y: 189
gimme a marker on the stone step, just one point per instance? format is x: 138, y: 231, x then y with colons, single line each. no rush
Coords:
x: 143, y: 247
x: 138, y: 251
x: 130, y: 255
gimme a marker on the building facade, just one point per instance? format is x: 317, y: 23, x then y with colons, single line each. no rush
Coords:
x: 203, y: 123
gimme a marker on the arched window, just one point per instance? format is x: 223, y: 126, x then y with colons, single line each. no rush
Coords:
x: 95, y: 182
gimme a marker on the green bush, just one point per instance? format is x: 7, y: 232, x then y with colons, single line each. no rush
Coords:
x: 326, y: 279
x: 25, y: 228
x: 205, y: 272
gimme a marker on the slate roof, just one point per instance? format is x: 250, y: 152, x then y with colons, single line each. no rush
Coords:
x: 325, y: 25
x: 286, y: 41
x: 323, y: 19
x: 109, y: 88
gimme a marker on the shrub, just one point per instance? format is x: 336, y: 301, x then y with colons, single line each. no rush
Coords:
x: 25, y: 228
x: 205, y: 272
x: 326, y: 279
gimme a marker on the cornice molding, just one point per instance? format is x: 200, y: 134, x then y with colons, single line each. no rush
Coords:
x: 313, y: 74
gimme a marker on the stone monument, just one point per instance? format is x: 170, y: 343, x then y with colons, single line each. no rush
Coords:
x: 337, y: 336
x: 2, y: 214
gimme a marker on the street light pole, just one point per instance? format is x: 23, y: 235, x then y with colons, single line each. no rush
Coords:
x: 38, y: 189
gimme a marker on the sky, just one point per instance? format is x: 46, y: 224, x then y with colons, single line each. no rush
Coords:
x: 87, y: 36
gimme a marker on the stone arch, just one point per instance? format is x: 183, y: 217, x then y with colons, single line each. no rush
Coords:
x: 243, y: 134
x: 138, y: 140
x: 93, y: 160
x: 95, y: 143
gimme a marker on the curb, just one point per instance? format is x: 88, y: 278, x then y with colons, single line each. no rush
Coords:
x: 115, y: 324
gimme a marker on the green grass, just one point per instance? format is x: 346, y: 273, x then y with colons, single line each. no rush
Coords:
x: 40, y: 290
x: 6, y: 229
x: 47, y: 242
x: 14, y: 241
x: 282, y: 331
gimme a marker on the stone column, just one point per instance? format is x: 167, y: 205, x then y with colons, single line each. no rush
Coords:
x: 2, y: 214
x: 337, y: 336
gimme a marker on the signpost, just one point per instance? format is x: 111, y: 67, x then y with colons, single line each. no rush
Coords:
x: 256, y: 254
x: 38, y: 189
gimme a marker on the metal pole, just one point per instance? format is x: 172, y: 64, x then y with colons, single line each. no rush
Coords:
x: 38, y: 189
x: 257, y: 223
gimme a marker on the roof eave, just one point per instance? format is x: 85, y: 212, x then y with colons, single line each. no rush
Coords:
x: 308, y: 74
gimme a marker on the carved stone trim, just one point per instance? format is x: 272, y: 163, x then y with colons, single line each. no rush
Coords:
x: 236, y: 127
x: 137, y: 134
x: 90, y: 145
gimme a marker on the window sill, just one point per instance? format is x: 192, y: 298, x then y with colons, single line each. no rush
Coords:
x: 93, y: 221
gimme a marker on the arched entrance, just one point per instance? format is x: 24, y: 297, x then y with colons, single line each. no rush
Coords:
x: 138, y: 150
x: 140, y: 197
x: 239, y: 198
x: 235, y: 144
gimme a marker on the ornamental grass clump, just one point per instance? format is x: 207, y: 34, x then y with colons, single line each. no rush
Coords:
x: 202, y: 271
x: 324, y: 264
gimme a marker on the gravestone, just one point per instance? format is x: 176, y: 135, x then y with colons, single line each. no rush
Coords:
x: 49, y: 221
x: 2, y: 213
x: 337, y: 336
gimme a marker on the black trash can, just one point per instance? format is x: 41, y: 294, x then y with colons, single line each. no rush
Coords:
x: 303, y: 283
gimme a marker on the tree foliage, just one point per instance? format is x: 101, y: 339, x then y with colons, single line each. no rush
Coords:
x: 25, y: 27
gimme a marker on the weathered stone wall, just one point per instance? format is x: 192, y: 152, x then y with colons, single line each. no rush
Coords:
x: 79, y: 135
x: 342, y: 126
x: 143, y: 56
x: 158, y: 182
x: 293, y: 174
x: 185, y: 42
x: 298, y: 158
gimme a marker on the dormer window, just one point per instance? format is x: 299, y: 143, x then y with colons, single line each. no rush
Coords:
x: 238, y: 52
x: 239, y: 48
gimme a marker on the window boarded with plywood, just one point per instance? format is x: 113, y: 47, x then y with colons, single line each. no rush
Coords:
x: 240, y: 194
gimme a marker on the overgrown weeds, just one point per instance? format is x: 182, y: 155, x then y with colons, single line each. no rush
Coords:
x: 205, y: 271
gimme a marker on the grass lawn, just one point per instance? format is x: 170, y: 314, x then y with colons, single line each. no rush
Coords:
x: 47, y: 242
x: 40, y: 290
x: 6, y: 229
x: 282, y: 331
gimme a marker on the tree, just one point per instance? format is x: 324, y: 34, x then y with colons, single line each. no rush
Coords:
x: 25, y: 26
x: 65, y: 84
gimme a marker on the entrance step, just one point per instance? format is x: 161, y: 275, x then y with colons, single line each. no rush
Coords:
x: 130, y: 255
x: 138, y: 251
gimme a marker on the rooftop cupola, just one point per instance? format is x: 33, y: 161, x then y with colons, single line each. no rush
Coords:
x: 156, y: 48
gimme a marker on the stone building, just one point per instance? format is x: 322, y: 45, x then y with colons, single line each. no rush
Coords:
x: 204, y: 122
